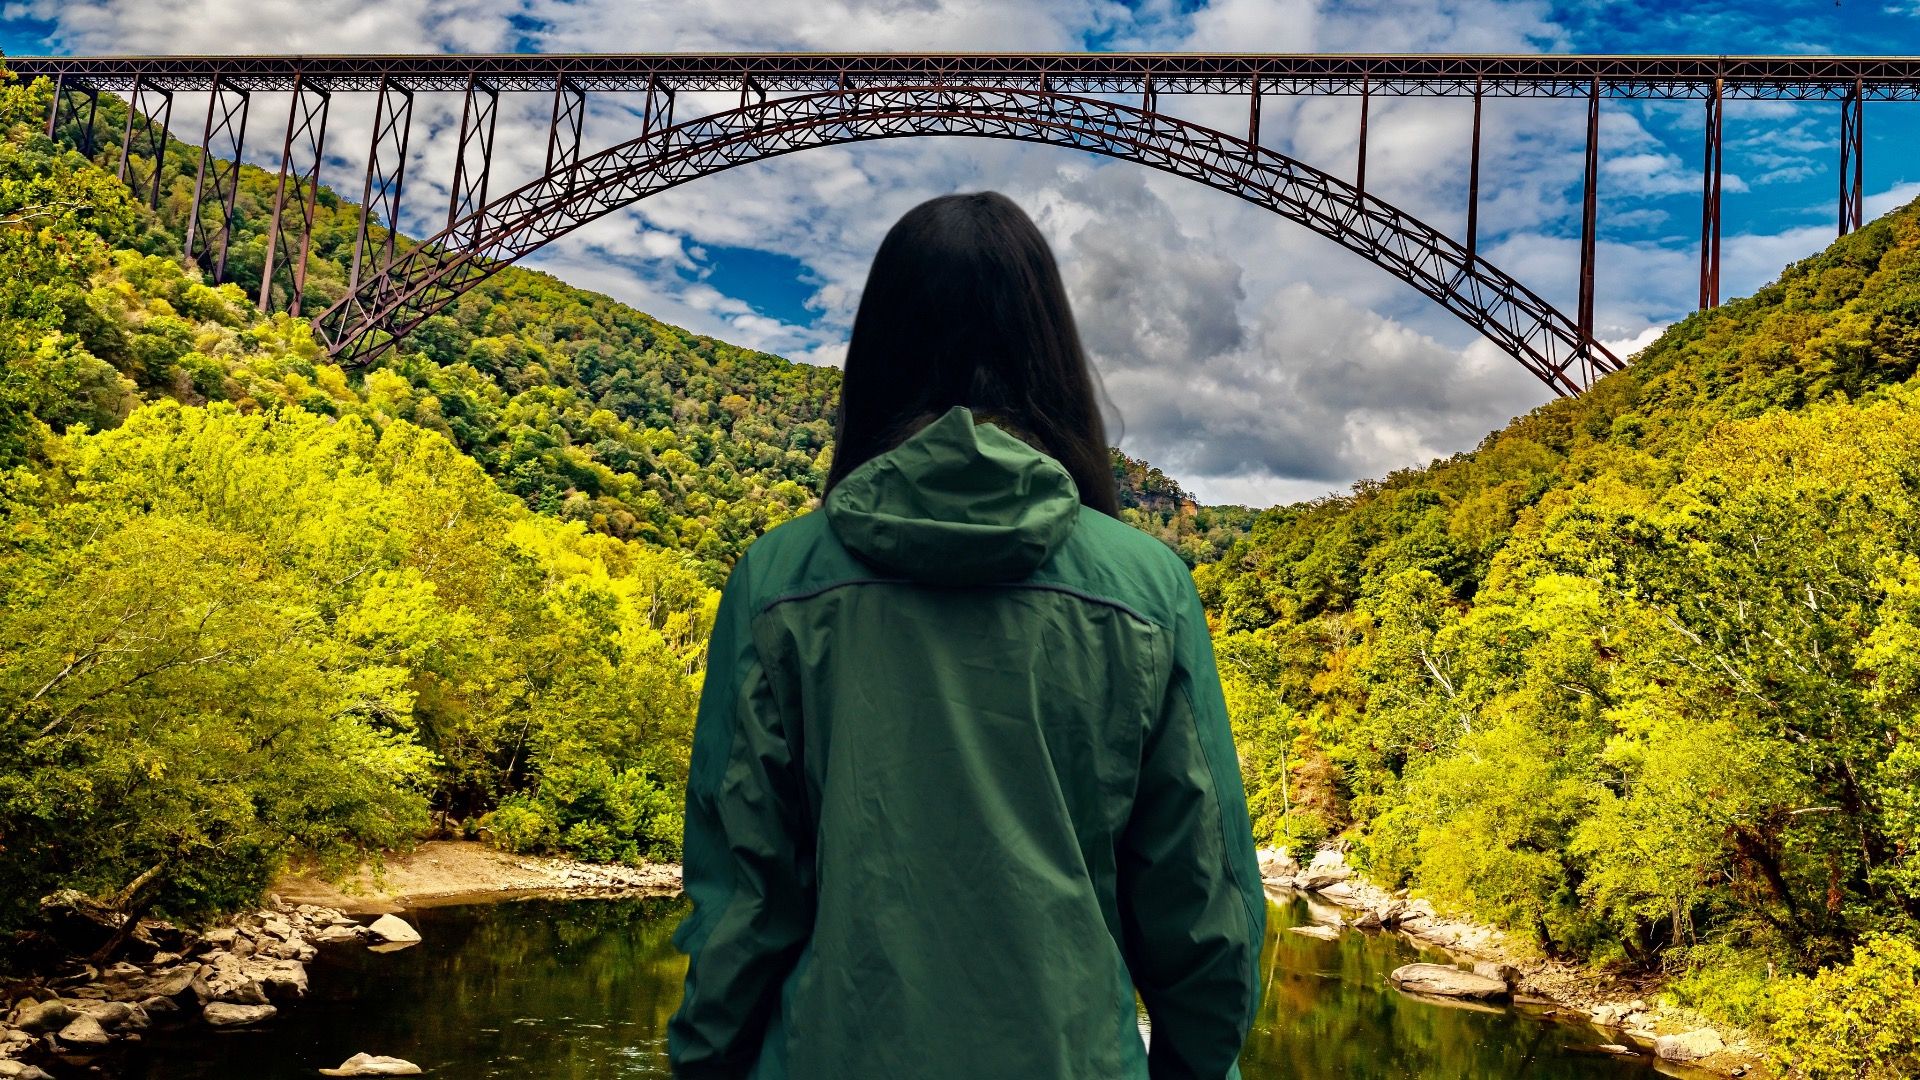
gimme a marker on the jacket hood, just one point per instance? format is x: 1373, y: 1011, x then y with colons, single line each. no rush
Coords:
x: 959, y: 503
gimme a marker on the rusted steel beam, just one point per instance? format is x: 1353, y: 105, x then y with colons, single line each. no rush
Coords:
x: 1853, y: 147
x: 568, y: 124
x: 1710, y: 208
x: 387, y: 304
x: 1473, y: 181
x: 386, y: 177
x: 473, y: 156
x: 210, y: 228
x: 290, y: 241
x: 1589, y: 227
x: 1828, y: 78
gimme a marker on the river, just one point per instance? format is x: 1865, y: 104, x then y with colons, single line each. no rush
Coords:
x: 581, y: 990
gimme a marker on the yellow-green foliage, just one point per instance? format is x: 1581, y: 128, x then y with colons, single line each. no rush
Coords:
x: 1855, y: 1021
x: 226, y: 637
x: 1636, y: 678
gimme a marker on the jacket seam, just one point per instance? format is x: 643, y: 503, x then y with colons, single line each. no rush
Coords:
x: 1031, y: 586
x: 1226, y: 847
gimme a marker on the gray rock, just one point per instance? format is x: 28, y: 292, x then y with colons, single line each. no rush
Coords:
x: 84, y: 1031
x: 283, y: 979
x: 226, y: 1014
x: 393, y: 930
x: 373, y: 1065
x: 1688, y: 1046
x: 172, y: 983
x: 228, y: 978
x: 159, y: 1006
x: 1439, y: 980
x: 108, y: 1014
x: 222, y: 938
x: 337, y: 933
x: 1324, y: 933
x: 1277, y: 862
x: 1506, y: 973
x: 50, y: 1016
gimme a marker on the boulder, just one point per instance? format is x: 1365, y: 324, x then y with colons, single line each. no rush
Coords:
x: 1689, y: 1045
x: 1506, y: 973
x: 222, y: 938
x: 1369, y: 920
x: 337, y: 933
x: 159, y: 1006
x: 171, y: 983
x: 20, y: 1070
x: 294, y: 948
x: 373, y: 1065
x: 84, y: 1031
x: 226, y: 1014
x: 108, y: 1014
x: 228, y: 978
x: 393, y: 930
x: 1324, y: 933
x: 1609, y: 1015
x: 50, y: 1016
x: 1277, y: 862
x: 1439, y: 980
x: 282, y: 978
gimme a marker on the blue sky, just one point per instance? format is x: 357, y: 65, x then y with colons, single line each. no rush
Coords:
x: 1253, y: 360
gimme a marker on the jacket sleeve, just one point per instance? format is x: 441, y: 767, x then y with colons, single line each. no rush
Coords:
x: 746, y: 859
x: 1191, y: 903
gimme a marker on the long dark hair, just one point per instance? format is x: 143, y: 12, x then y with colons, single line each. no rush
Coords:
x: 964, y: 306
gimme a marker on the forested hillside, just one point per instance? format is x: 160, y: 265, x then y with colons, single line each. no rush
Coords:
x: 254, y: 607
x: 1638, y: 676
x: 1635, y: 678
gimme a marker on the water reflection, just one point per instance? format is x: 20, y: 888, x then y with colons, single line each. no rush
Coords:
x: 581, y: 990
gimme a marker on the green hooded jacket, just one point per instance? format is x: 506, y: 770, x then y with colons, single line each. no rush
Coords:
x: 962, y: 783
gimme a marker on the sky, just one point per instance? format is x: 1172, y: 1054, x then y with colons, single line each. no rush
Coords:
x: 1250, y: 358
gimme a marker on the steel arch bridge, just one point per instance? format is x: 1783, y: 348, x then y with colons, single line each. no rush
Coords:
x: 1060, y: 99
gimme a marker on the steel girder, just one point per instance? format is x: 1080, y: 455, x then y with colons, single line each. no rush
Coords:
x: 290, y: 239
x: 389, y: 302
x: 386, y: 179
x: 1883, y: 78
x: 146, y: 130
x: 210, y: 228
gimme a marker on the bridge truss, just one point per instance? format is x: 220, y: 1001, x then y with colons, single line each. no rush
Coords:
x: 1105, y: 103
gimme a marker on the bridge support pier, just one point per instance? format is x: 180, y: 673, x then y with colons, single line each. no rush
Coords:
x: 473, y: 156
x: 1473, y: 177
x: 386, y: 175
x: 1852, y: 153
x: 1360, y: 168
x: 288, y: 241
x: 210, y: 229
x: 1589, y: 225
x: 1253, y: 112
x: 657, y: 110
x: 152, y: 139
x: 568, y: 123
x: 64, y: 93
x: 1710, y: 203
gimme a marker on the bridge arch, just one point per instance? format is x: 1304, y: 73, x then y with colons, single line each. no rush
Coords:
x: 383, y: 306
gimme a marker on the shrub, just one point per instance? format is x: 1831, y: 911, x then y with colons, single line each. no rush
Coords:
x: 1858, y: 1021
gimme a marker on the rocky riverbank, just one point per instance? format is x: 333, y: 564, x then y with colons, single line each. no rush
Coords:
x: 1492, y: 967
x: 442, y: 872
x: 243, y: 970
x: 236, y: 974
